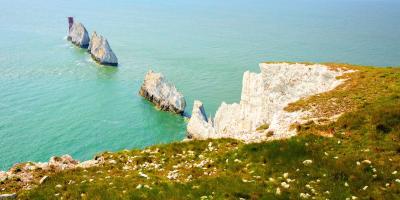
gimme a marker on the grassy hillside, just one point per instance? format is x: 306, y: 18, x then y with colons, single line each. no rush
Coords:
x: 358, y: 156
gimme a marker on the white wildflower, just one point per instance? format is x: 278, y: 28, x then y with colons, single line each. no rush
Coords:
x: 144, y: 175
x: 285, y: 175
x: 271, y: 179
x: 172, y: 175
x: 285, y: 185
x: 366, y: 162
x: 278, y: 191
x: 307, y: 162
x: 304, y: 195
x: 112, y: 162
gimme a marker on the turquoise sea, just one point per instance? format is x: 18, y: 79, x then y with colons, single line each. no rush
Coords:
x: 54, y: 100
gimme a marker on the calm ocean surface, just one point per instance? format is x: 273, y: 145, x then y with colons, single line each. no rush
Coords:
x: 54, y: 100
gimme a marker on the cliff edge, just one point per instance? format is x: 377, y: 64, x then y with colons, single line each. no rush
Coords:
x: 260, y: 115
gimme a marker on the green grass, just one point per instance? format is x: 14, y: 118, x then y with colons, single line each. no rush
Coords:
x: 362, y: 87
x: 363, y: 150
x: 244, y: 170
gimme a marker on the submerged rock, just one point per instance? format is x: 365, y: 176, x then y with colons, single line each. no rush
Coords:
x: 264, y: 97
x: 101, y: 51
x: 78, y: 34
x: 163, y: 94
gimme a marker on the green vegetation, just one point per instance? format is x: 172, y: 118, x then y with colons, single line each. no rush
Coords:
x: 362, y: 87
x: 360, y: 159
x: 263, y: 127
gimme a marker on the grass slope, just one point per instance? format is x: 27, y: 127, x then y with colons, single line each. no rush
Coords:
x: 361, y: 159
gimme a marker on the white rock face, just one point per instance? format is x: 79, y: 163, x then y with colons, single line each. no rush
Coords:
x: 199, y: 126
x: 101, y: 50
x: 163, y: 94
x: 264, y: 97
x: 78, y: 35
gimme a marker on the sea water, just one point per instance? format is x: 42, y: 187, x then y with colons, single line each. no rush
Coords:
x: 55, y: 100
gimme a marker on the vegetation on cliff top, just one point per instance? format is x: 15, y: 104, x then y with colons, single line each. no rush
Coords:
x: 360, y: 159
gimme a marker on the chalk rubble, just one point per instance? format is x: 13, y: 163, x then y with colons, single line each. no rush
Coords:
x: 28, y: 172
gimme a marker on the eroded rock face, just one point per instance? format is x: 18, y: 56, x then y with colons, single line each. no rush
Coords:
x: 199, y: 126
x: 101, y: 51
x: 78, y: 35
x: 163, y: 94
x: 264, y: 97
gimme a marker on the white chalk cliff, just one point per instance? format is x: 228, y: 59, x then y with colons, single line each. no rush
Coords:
x: 163, y: 94
x: 78, y: 35
x: 263, y: 99
x: 101, y: 50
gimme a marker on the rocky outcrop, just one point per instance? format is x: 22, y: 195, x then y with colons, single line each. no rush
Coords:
x: 78, y: 35
x: 101, y: 51
x: 199, y: 126
x: 8, y: 196
x: 31, y: 172
x: 163, y: 94
x: 264, y: 97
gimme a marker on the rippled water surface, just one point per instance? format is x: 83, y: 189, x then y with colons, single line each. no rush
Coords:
x: 54, y: 100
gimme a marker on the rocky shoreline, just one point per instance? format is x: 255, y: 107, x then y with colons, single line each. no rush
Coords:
x: 32, y: 174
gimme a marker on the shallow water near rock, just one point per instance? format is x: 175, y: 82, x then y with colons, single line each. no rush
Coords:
x: 55, y: 100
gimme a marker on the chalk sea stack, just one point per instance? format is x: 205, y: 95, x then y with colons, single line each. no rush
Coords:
x: 101, y: 51
x: 199, y: 126
x: 163, y: 94
x: 78, y: 34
